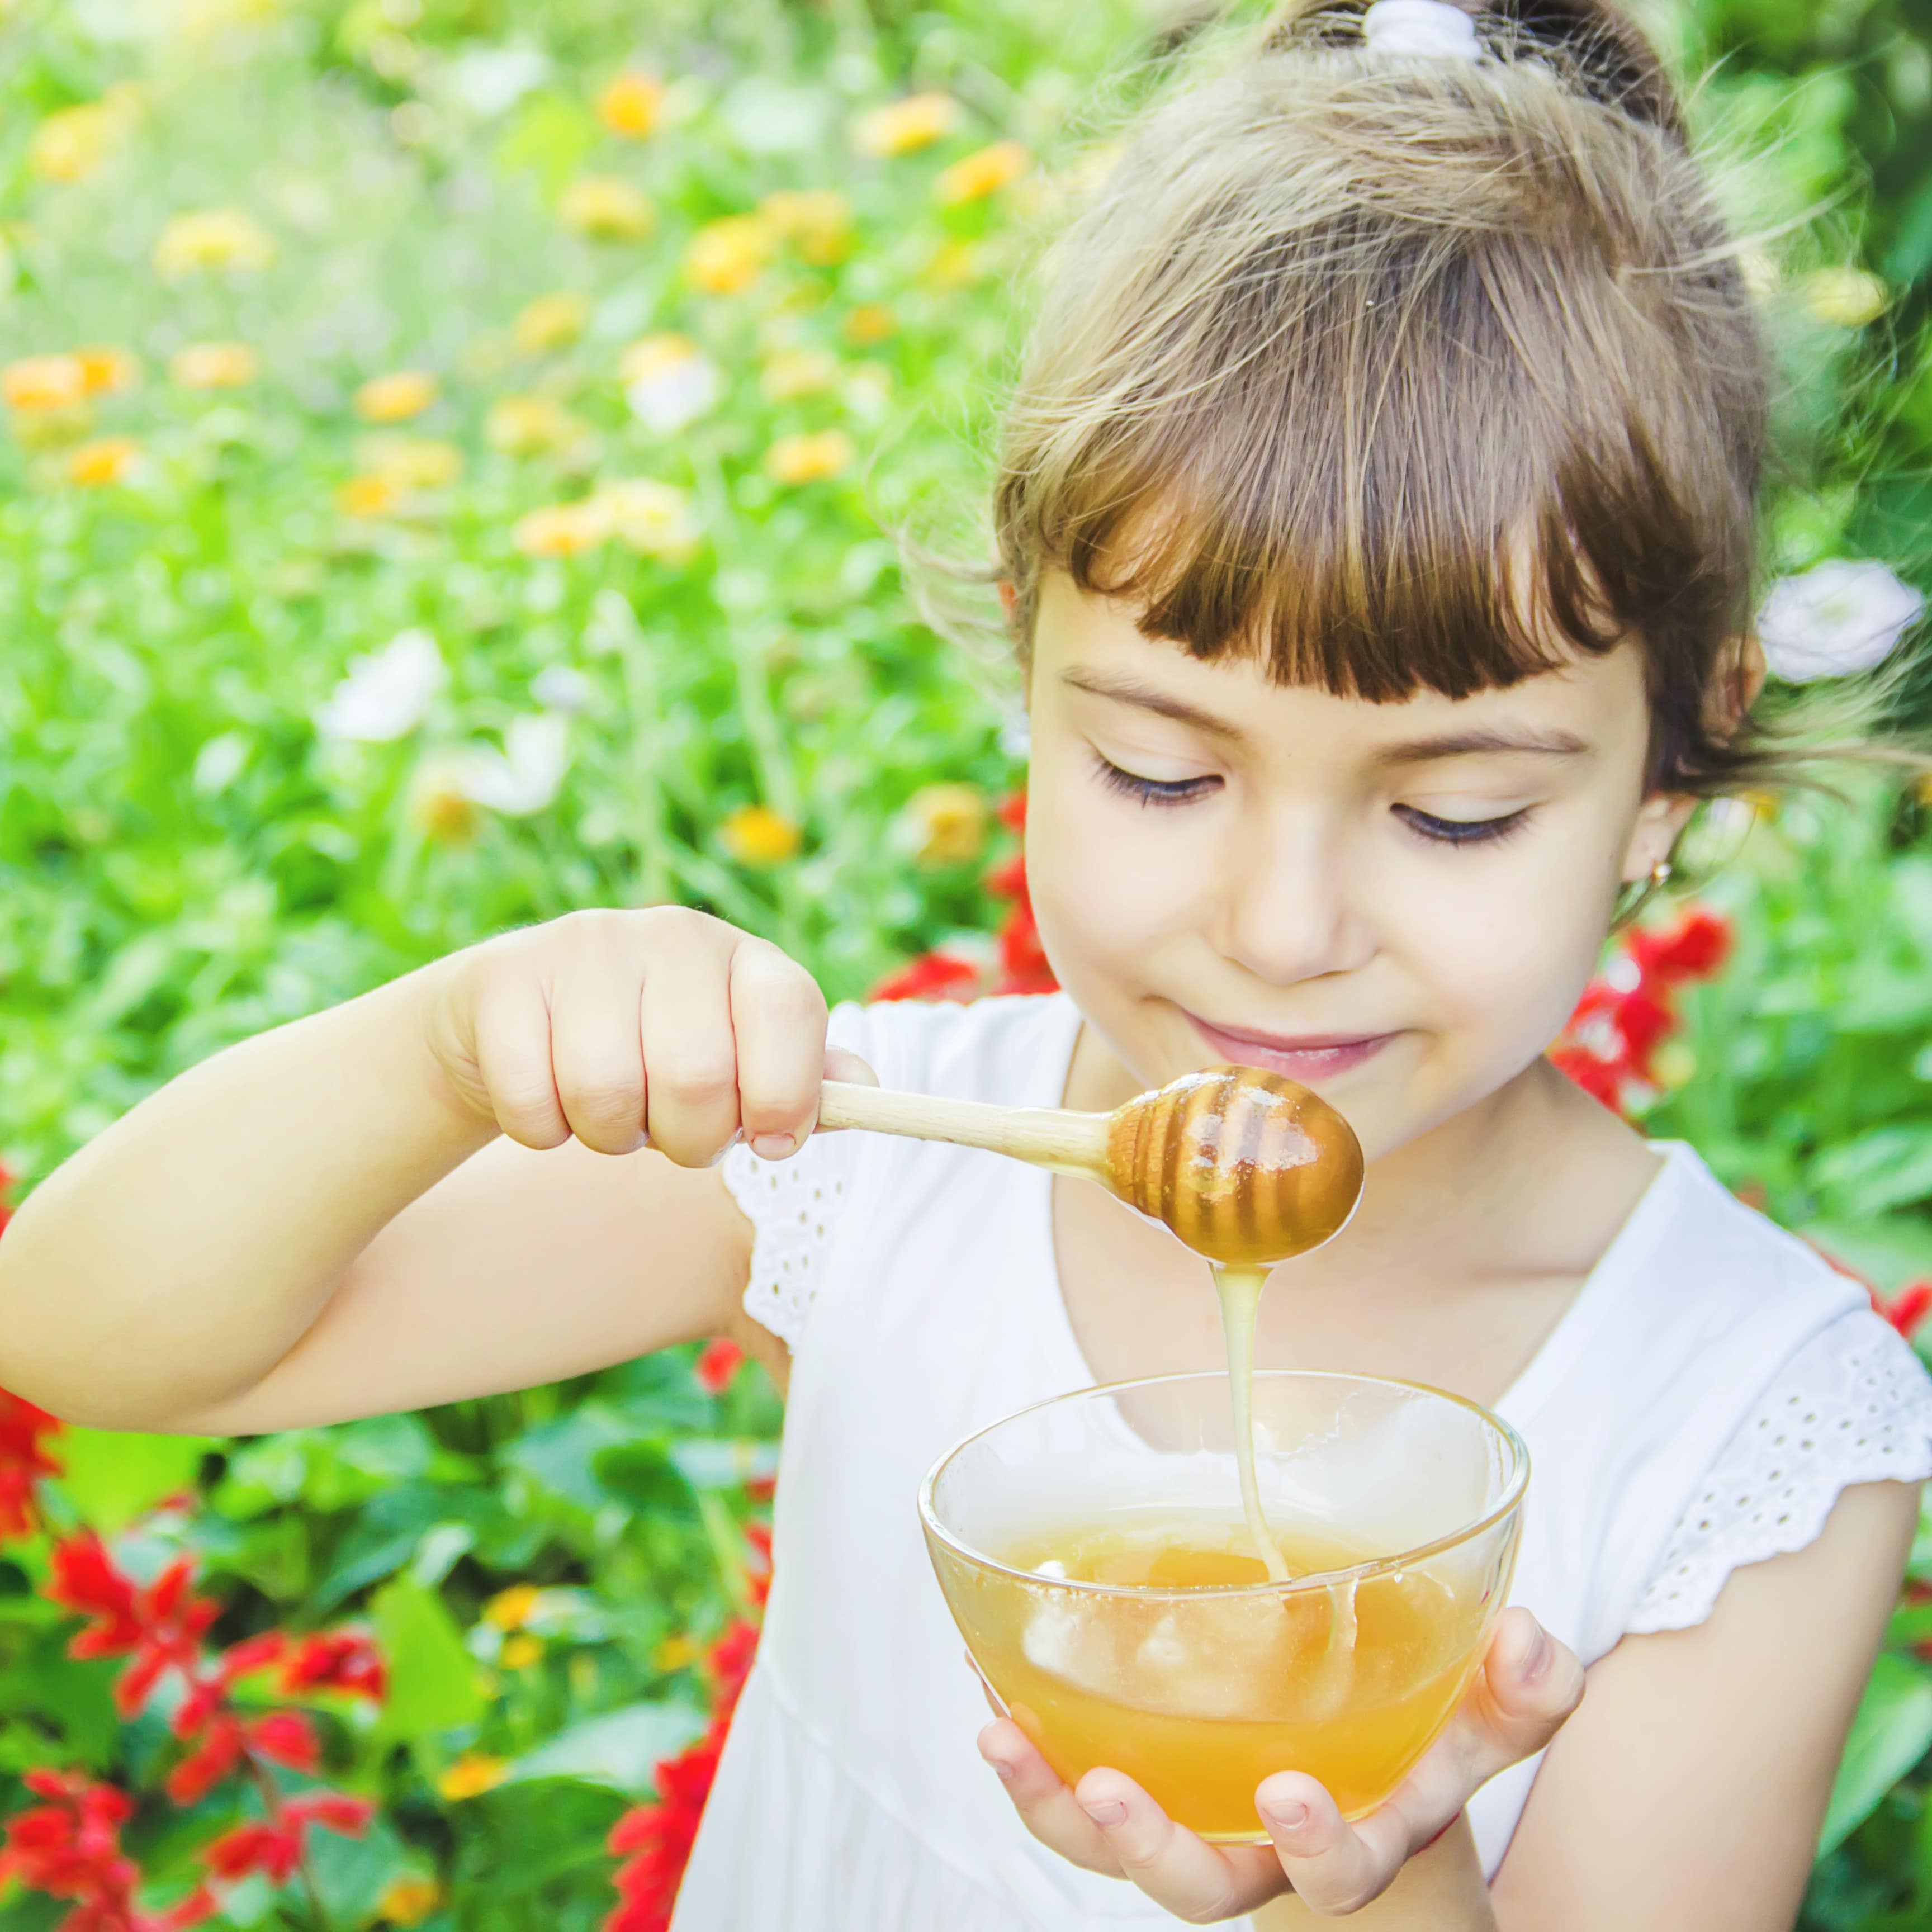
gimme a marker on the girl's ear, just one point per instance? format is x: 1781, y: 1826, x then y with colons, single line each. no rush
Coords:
x: 1661, y: 819
x: 1735, y: 689
x: 1009, y: 597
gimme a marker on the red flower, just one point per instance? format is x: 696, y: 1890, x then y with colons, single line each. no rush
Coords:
x: 69, y: 1847
x: 275, y: 1846
x: 717, y: 1364
x: 346, y: 1660
x: 1908, y: 1308
x: 1011, y: 810
x: 7, y: 1178
x: 1693, y: 949
x: 159, y: 1628
x: 286, y: 1737
x: 224, y: 1744
x: 933, y: 976
x: 23, y: 1457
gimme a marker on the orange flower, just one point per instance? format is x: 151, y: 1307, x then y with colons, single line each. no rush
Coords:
x: 650, y: 517
x: 471, y: 1775
x: 726, y: 257
x: 630, y: 105
x: 214, y: 365
x: 606, y: 209
x: 869, y: 323
x: 551, y: 322
x: 391, y: 399
x: 981, y: 173
x: 954, y: 264
x: 817, y: 222
x: 44, y: 382
x: 901, y: 127
x: 409, y: 1901
x: 510, y: 1609
x: 108, y: 371
x: 948, y: 823
x: 106, y: 461
x: 562, y: 529
x: 520, y: 1651
x: 809, y: 459
x: 215, y: 238
x: 755, y: 835
x: 439, y: 804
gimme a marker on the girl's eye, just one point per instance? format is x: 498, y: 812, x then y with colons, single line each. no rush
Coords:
x: 1459, y: 831
x: 1152, y: 791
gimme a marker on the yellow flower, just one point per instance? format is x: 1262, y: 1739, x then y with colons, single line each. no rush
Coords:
x: 471, y: 1775
x: 726, y: 257
x: 900, y: 127
x: 370, y: 495
x: 675, y: 1653
x: 818, y: 223
x: 630, y: 105
x: 809, y: 459
x: 412, y: 462
x: 106, y: 460
x: 215, y: 238
x: 510, y: 1609
x: 409, y: 1901
x: 981, y: 173
x: 1845, y: 298
x: 954, y: 264
x: 1760, y: 270
x: 793, y: 373
x: 393, y: 399
x: 606, y: 209
x: 650, y: 517
x: 869, y: 323
x: 214, y: 365
x: 530, y: 426
x: 653, y: 356
x: 72, y: 143
x: 551, y: 322
x: 108, y: 371
x: 562, y: 529
x: 948, y: 823
x: 520, y: 1651
x: 755, y: 835
x: 440, y: 805
x: 44, y: 382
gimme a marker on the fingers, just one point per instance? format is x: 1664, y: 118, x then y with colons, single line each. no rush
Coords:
x: 596, y: 1056
x: 513, y: 1059
x: 691, y: 1056
x: 1046, y: 1807
x: 1526, y: 1690
x: 1194, y: 1880
x: 778, y: 1022
x: 1335, y: 1867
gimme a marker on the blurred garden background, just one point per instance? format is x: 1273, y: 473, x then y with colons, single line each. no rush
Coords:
x: 449, y: 449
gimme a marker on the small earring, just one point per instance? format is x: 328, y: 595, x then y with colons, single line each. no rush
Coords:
x: 1659, y: 872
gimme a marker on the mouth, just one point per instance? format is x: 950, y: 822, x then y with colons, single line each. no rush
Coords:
x: 1308, y: 1058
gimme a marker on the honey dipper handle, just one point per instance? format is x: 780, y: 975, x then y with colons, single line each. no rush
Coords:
x: 1047, y: 1136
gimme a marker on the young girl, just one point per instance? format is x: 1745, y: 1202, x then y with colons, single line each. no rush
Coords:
x: 1376, y: 526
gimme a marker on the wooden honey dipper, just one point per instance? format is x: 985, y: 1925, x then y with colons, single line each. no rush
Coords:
x: 1248, y: 1168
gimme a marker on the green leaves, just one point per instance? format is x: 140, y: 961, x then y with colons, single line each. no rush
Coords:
x: 619, y: 1750
x: 433, y: 1679
x: 110, y: 1479
x: 1891, y: 1732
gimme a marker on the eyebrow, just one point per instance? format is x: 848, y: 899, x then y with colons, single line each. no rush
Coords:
x: 1474, y: 743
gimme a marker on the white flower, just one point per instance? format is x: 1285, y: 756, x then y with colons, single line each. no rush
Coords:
x: 1839, y: 618
x: 387, y: 694
x: 561, y: 687
x: 675, y: 392
x: 489, y: 81
x: 525, y: 774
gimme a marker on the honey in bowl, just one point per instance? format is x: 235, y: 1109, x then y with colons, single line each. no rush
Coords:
x: 1112, y: 1599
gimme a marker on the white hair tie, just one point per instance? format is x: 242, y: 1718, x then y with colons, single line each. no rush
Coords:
x: 1432, y: 29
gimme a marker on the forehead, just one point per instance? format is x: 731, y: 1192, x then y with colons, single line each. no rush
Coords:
x: 1081, y: 639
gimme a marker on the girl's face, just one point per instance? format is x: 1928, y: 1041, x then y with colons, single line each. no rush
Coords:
x: 1396, y: 904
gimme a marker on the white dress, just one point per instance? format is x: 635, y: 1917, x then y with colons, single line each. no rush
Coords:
x: 1709, y: 1392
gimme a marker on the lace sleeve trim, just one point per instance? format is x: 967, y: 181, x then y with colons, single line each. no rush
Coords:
x: 1854, y: 1406
x: 793, y: 1206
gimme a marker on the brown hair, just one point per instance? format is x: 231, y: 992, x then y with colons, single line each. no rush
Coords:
x: 1409, y: 372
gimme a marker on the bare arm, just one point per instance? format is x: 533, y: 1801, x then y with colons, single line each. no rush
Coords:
x: 411, y: 1198
x: 1686, y: 1795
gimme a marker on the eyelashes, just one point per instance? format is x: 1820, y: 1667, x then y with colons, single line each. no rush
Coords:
x: 1424, y: 824
x: 1152, y: 791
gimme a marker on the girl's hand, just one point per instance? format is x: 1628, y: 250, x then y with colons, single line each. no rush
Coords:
x: 619, y: 1027
x: 1528, y: 1685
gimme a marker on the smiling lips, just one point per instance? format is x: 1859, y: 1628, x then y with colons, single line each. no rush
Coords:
x: 1307, y: 1057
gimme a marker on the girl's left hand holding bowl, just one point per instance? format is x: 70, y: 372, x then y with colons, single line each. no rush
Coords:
x: 1528, y: 1685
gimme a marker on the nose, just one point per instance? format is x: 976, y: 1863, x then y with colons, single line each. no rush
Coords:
x: 1291, y: 910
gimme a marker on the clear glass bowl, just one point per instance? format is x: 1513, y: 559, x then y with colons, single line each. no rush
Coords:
x: 1402, y: 1502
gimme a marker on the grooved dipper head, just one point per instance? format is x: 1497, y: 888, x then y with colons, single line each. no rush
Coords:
x: 1247, y: 1167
